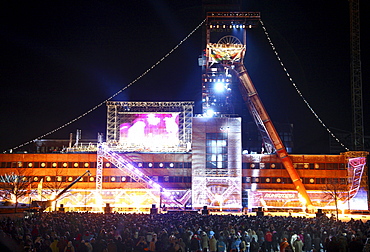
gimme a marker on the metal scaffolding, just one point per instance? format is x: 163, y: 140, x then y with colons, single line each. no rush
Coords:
x: 118, y: 111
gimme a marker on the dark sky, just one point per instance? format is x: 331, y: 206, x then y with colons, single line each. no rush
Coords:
x: 60, y: 59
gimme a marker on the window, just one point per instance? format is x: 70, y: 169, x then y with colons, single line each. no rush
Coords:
x: 216, y: 150
x: 187, y: 165
x: 332, y: 166
x: 187, y: 179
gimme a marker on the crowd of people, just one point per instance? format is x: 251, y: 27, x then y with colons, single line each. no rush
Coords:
x: 180, y: 232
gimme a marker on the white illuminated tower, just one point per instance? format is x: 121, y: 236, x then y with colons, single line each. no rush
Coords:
x: 216, y: 163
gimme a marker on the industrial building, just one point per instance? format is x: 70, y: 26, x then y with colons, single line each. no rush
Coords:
x: 160, y: 156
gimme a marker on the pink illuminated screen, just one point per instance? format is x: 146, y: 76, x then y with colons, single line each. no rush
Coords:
x: 150, y: 130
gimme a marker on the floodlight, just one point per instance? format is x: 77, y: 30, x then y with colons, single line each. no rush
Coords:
x: 219, y: 86
x: 210, y: 113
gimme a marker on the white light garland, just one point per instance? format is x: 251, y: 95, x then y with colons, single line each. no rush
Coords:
x: 118, y: 92
x: 296, y: 88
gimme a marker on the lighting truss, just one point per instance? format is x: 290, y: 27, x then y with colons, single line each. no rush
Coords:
x: 116, y: 110
x: 127, y: 166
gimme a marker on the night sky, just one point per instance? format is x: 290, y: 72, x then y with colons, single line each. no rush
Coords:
x: 59, y: 59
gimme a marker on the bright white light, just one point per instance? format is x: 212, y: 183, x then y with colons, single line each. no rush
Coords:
x: 255, y: 172
x: 220, y: 86
x: 210, y: 113
x: 167, y: 193
x: 253, y: 187
x: 156, y: 186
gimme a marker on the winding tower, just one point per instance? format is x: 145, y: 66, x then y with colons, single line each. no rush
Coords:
x: 223, y: 63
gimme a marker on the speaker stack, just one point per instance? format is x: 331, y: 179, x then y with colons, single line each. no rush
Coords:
x: 61, y: 208
x: 205, y: 210
x: 260, y: 211
x: 153, y: 210
x: 107, y: 208
x: 319, y: 213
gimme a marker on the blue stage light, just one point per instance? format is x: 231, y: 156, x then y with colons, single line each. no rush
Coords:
x: 219, y: 86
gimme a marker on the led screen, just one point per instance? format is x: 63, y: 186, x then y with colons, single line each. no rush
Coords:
x: 150, y: 131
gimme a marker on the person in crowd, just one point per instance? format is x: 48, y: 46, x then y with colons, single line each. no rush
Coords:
x: 307, y: 242
x: 182, y: 245
x: 284, y: 245
x: 292, y: 240
x: 235, y: 243
x: 316, y: 241
x: 298, y: 245
x: 247, y: 239
x: 195, y: 244
x: 242, y: 246
x: 69, y: 247
x: 268, y: 240
x: 261, y: 236
x: 221, y: 246
x: 204, y: 242
x: 342, y: 242
x: 89, y: 246
x: 255, y: 247
x: 54, y: 245
x: 213, y: 244
x: 140, y: 245
x: 275, y: 241
x: 355, y: 244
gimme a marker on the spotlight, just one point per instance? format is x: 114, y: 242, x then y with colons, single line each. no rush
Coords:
x: 209, y: 113
x: 219, y: 86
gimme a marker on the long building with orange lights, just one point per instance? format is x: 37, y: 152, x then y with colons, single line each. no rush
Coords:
x: 185, y: 175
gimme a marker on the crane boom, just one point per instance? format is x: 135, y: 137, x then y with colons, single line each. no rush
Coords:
x: 45, y: 204
x: 250, y: 96
x: 70, y: 185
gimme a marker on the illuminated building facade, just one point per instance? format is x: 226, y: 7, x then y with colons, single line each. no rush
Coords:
x: 216, y: 163
x: 161, y: 154
x: 264, y: 180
